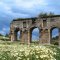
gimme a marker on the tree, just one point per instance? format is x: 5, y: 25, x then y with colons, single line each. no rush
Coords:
x: 46, y: 14
x: 55, y: 38
x: 1, y: 34
x: 51, y: 13
x: 6, y: 35
x: 42, y: 14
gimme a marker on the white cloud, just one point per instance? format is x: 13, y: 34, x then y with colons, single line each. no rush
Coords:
x: 29, y: 4
x: 26, y: 8
x: 10, y: 9
x: 4, y: 30
x: 4, y: 7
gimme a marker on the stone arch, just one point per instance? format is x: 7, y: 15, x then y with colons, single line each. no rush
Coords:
x: 31, y: 30
x: 28, y: 24
x: 56, y: 40
x: 17, y: 33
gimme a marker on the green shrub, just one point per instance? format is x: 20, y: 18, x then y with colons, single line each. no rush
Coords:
x: 56, y: 43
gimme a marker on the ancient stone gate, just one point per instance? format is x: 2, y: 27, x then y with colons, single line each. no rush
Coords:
x: 45, y: 25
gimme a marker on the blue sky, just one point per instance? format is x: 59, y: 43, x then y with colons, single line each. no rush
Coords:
x: 11, y: 9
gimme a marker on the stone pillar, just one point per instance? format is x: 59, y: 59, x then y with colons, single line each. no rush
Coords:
x: 44, y: 36
x: 49, y: 40
x: 40, y: 36
x: 29, y: 37
x: 59, y: 38
x: 20, y: 35
x: 12, y: 36
x: 24, y: 36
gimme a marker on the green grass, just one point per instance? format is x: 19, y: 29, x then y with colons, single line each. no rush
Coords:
x: 17, y: 51
x: 3, y: 38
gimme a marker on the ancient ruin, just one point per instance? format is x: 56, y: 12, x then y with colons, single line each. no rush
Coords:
x: 45, y: 24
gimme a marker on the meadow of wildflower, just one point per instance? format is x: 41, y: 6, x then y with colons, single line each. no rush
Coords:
x: 17, y: 51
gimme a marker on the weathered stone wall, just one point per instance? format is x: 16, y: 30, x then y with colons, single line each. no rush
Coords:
x: 25, y: 26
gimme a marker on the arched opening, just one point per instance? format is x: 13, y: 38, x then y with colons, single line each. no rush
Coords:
x: 17, y: 34
x: 55, y: 36
x: 35, y: 35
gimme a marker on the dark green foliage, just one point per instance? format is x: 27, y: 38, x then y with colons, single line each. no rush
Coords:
x: 46, y: 14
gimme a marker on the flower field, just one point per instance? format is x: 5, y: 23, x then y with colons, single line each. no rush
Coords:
x: 29, y: 52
